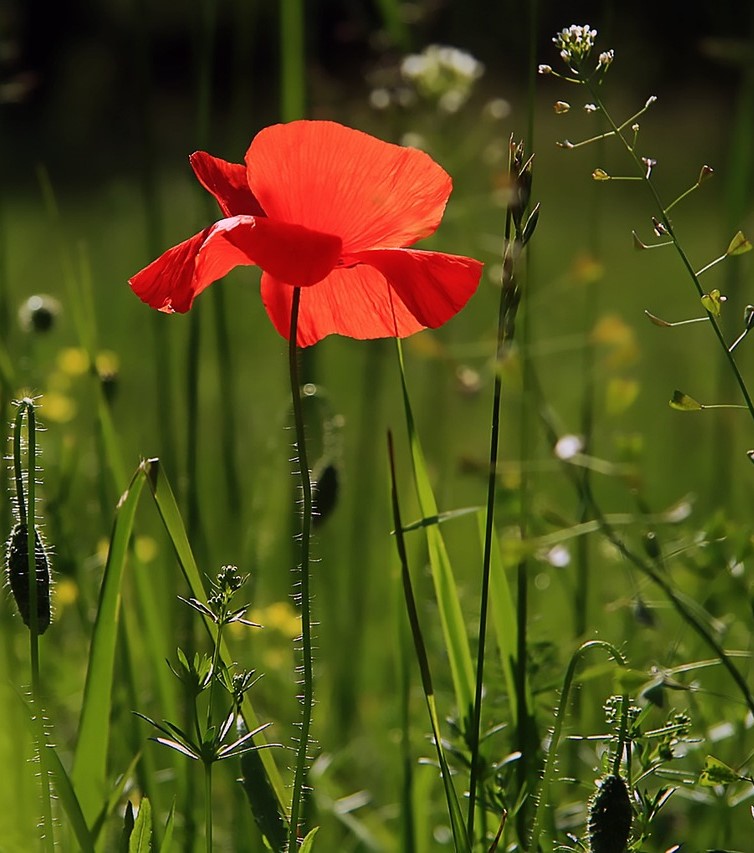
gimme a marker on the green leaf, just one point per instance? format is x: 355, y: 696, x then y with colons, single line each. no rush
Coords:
x: 141, y: 835
x: 308, y: 843
x: 683, y: 403
x: 715, y: 772
x: 739, y: 245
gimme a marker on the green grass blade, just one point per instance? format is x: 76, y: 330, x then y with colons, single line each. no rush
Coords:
x: 503, y: 612
x: 451, y: 617
x: 167, y: 838
x: 90, y: 759
x: 460, y: 838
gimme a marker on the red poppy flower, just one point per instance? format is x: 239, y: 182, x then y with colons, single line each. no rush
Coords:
x: 330, y: 210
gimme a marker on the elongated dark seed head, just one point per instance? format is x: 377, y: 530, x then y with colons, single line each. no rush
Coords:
x: 17, y: 567
x: 610, y: 817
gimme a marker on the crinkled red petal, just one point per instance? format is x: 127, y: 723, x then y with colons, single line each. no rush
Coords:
x: 289, y: 252
x: 337, y: 180
x: 387, y: 293
x: 356, y: 303
x: 433, y: 286
x: 227, y: 183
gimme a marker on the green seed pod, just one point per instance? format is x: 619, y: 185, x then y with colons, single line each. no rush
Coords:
x: 610, y: 817
x: 17, y: 566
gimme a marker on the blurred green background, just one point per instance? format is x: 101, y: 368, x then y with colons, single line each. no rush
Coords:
x: 102, y: 102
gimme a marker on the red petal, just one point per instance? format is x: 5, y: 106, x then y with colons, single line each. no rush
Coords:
x: 356, y: 303
x: 432, y: 285
x: 227, y: 183
x: 289, y: 252
x: 341, y: 181
x: 391, y: 294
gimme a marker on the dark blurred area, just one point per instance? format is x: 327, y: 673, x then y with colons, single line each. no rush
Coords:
x: 85, y: 85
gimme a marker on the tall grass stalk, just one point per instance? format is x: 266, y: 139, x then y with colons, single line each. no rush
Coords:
x: 508, y: 305
x: 307, y: 698
x: 153, y: 220
x: 26, y: 501
x: 292, y: 60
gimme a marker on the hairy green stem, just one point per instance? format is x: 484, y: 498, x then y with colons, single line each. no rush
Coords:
x: 557, y: 728
x: 307, y: 697
x: 26, y: 499
x: 208, y: 805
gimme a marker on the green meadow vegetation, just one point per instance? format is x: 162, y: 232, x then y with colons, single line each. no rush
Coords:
x: 527, y: 612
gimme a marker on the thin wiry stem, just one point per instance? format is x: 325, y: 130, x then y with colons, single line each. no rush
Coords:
x: 664, y: 218
x: 306, y: 627
x: 503, y: 325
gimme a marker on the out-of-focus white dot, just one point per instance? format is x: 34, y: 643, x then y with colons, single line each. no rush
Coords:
x: 542, y: 581
x: 498, y: 108
x: 568, y: 446
x: 379, y: 99
x: 558, y: 556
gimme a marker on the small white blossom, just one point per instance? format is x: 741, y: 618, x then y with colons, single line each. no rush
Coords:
x: 575, y: 43
x: 544, y: 69
x: 606, y: 59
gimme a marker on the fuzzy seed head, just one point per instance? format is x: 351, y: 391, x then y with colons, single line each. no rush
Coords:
x: 610, y: 817
x: 17, y: 570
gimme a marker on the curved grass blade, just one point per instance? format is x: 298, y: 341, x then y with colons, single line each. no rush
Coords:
x: 90, y: 758
x: 451, y: 616
x: 455, y: 815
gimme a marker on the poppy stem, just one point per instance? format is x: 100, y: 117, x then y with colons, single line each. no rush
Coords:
x: 307, y: 697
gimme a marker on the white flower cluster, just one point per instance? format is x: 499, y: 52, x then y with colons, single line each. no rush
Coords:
x: 445, y: 74
x: 575, y: 43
